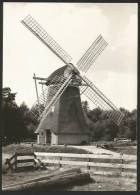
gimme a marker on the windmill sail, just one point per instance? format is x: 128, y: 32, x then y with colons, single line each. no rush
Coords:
x: 92, y: 92
x: 91, y: 54
x: 41, y: 34
x: 42, y: 103
x: 59, y: 85
x: 100, y: 100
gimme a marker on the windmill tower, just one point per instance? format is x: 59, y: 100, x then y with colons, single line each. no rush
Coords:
x: 61, y: 118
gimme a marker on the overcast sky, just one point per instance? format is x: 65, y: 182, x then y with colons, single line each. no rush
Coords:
x: 74, y: 27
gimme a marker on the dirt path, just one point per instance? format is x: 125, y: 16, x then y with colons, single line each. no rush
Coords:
x: 95, y: 150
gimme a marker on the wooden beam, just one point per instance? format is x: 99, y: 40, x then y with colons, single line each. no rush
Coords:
x: 42, y: 83
x: 91, y: 164
x: 39, y: 78
x: 37, y: 94
x: 93, y: 156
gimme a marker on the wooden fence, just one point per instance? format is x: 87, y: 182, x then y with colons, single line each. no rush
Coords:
x: 97, y: 163
x: 23, y: 160
x: 124, y: 165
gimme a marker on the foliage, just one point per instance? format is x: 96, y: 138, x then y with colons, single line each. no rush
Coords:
x: 102, y: 128
x: 17, y: 120
x: 128, y: 125
x: 85, y: 106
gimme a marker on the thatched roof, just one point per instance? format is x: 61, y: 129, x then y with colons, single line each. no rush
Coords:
x: 68, y: 116
x: 56, y: 76
x: 59, y: 72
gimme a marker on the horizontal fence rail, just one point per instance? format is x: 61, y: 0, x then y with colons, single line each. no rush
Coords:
x: 102, y: 156
x: 91, y: 164
x: 125, y: 166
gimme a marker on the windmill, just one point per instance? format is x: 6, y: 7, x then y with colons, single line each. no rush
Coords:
x: 62, y: 120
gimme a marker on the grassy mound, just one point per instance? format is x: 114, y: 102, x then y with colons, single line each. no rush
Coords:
x: 23, y: 147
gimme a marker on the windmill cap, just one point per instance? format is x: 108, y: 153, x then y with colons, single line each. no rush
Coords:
x: 58, y: 72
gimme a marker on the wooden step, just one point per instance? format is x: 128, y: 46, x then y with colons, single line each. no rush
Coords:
x: 25, y: 160
x: 25, y: 168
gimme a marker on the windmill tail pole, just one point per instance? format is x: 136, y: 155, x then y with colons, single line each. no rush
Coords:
x: 37, y: 93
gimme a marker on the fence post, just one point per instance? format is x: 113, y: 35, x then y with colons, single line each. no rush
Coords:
x: 121, y: 154
x: 15, y: 160
x: 35, y: 157
x: 8, y: 163
x: 60, y: 158
x: 88, y: 160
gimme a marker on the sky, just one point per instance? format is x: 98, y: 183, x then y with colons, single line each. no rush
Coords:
x: 74, y: 26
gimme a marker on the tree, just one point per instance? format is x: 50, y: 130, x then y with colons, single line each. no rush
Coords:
x: 102, y: 128
x: 14, y: 128
x: 94, y: 114
x: 85, y: 106
x: 29, y: 121
x: 127, y: 127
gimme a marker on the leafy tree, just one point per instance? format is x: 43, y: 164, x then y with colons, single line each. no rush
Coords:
x: 29, y: 121
x: 95, y: 114
x: 102, y: 128
x: 85, y: 106
x: 14, y: 128
x: 128, y: 126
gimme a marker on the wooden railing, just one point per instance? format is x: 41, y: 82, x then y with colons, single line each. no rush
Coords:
x: 11, y: 162
x: 98, y: 163
x: 23, y: 159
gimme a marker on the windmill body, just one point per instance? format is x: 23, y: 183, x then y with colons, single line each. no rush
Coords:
x: 65, y: 123
x: 61, y: 119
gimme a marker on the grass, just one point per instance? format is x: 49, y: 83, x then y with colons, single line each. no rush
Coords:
x: 105, y: 183
x: 126, y: 150
x: 16, y: 177
x: 118, y: 143
x: 100, y: 183
x: 23, y: 147
x: 26, y: 148
x: 120, y: 147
